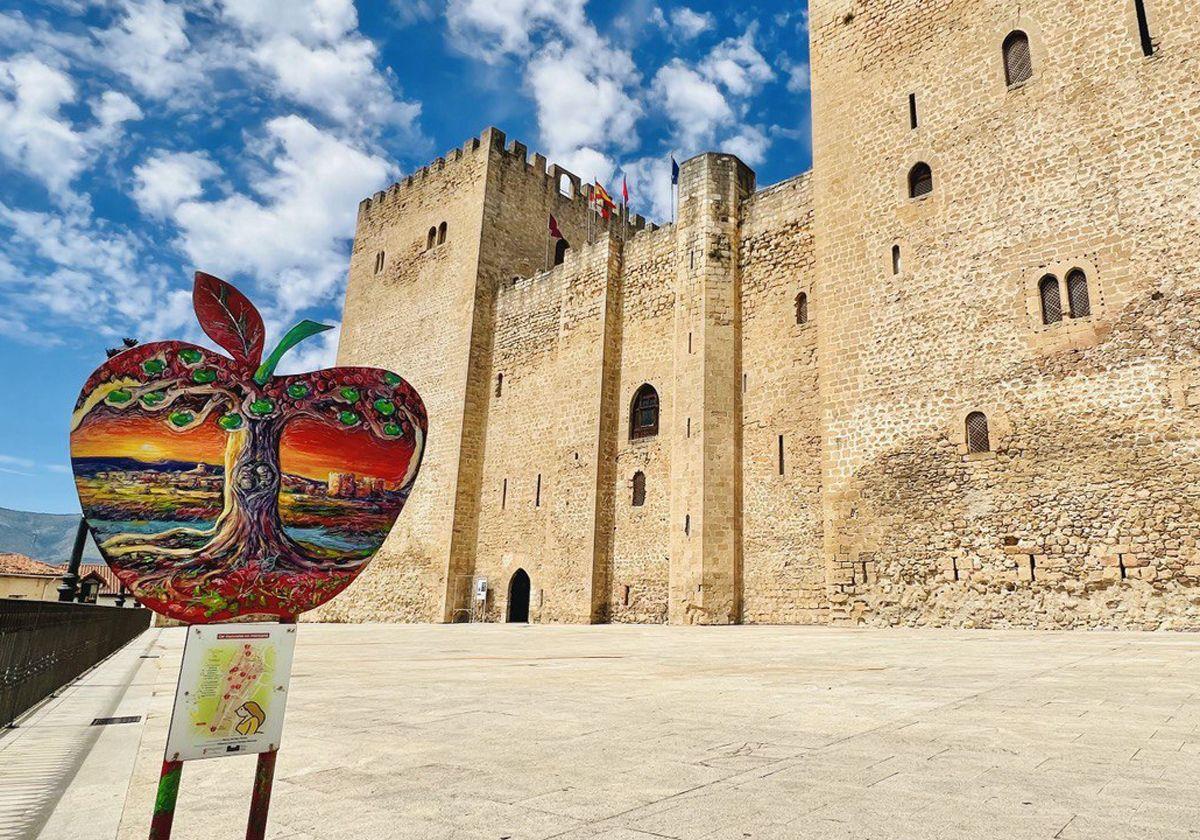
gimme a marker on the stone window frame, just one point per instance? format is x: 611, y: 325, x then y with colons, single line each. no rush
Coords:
x: 805, y: 290
x: 1038, y: 56
x: 999, y: 430
x: 637, y: 494
x: 1069, y: 322
x: 638, y: 433
x: 929, y: 199
x: 905, y: 255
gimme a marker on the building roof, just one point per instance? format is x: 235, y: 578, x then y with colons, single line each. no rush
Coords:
x: 110, y: 583
x: 19, y: 564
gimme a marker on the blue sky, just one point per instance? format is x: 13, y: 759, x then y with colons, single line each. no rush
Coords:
x: 143, y: 139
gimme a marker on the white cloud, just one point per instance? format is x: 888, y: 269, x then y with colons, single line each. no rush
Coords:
x: 694, y: 104
x: 167, y: 179
x: 689, y: 23
x: 707, y: 103
x: 580, y: 104
x: 492, y: 30
x: 749, y: 143
x: 35, y: 133
x: 291, y: 233
x: 181, y: 54
x: 314, y: 21
x: 148, y: 45
x: 650, y: 186
x: 738, y: 65
x: 799, y: 77
x: 585, y: 89
x: 80, y: 271
x: 339, y: 80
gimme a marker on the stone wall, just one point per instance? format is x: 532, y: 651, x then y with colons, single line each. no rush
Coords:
x: 641, y: 541
x: 415, y: 317
x: 783, y: 573
x: 541, y: 473
x: 822, y: 471
x: 1089, y: 164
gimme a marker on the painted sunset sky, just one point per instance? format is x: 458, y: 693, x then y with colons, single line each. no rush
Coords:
x: 309, y: 448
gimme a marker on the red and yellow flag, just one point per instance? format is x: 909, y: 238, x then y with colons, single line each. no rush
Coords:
x: 602, y: 198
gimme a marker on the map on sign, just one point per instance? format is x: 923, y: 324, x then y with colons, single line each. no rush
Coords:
x: 232, y: 690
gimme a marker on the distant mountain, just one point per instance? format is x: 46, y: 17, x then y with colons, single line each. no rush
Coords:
x: 43, y: 536
x: 91, y: 466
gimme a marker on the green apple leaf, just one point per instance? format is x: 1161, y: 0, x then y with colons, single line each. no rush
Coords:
x: 293, y: 337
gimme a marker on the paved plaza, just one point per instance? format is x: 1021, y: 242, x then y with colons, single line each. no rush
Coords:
x: 723, y: 733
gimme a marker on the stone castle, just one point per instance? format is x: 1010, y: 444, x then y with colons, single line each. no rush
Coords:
x: 950, y: 376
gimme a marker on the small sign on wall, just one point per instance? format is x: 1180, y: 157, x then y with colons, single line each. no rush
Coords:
x: 232, y: 691
x: 480, y: 589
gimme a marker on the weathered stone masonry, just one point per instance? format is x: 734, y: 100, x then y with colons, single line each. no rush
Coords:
x: 812, y: 462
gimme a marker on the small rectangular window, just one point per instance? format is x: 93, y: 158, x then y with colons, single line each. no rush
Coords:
x: 689, y: 427
x: 781, y: 454
x: 912, y: 110
x: 537, y: 494
x: 896, y: 259
x: 689, y: 342
x: 745, y: 382
x: 504, y: 495
x: 625, y: 596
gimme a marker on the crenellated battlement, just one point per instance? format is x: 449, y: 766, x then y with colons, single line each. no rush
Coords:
x: 565, y: 185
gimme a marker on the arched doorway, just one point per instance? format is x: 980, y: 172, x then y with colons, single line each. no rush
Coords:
x: 518, y: 598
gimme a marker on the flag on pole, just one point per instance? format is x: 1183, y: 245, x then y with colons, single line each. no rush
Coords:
x: 674, y: 171
x: 601, y: 197
x: 624, y: 189
x: 554, y: 231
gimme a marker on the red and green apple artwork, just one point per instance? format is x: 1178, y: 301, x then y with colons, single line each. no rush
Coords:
x: 218, y: 490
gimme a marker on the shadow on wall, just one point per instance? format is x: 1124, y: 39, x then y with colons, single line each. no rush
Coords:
x: 1087, y: 514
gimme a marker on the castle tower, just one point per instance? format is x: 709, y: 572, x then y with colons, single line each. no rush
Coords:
x: 1002, y: 196
x: 428, y: 255
x: 706, y: 442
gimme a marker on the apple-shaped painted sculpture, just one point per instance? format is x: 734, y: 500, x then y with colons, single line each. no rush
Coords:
x: 217, y: 490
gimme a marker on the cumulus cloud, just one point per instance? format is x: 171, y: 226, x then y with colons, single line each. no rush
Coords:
x: 707, y: 102
x: 179, y: 54
x: 148, y: 45
x: 585, y: 89
x: 167, y: 179
x: 580, y: 104
x: 81, y: 271
x: 737, y: 65
x: 688, y: 23
x: 289, y: 232
x: 693, y: 103
x: 493, y: 30
x: 38, y: 137
x: 799, y: 78
x: 750, y: 144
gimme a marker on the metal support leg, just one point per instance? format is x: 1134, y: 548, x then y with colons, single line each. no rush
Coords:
x: 164, y: 802
x: 260, y: 800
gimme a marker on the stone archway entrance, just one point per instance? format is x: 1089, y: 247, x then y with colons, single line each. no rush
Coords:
x: 518, y: 597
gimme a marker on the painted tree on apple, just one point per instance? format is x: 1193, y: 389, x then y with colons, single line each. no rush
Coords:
x: 247, y: 548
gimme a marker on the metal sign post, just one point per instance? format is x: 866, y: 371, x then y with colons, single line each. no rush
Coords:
x: 229, y: 700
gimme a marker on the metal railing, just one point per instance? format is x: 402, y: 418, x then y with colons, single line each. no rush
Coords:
x: 46, y: 644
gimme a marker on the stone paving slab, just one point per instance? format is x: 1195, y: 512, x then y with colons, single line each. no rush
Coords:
x: 720, y: 733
